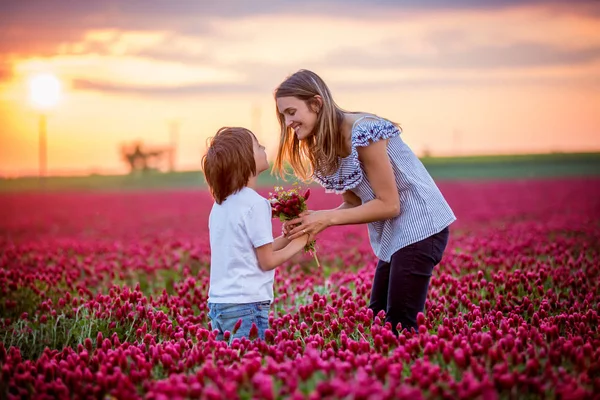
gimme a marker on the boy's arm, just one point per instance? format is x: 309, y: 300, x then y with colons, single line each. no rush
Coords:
x: 280, y: 242
x: 269, y: 258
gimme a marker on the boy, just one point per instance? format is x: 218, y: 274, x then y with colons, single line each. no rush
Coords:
x: 243, y: 252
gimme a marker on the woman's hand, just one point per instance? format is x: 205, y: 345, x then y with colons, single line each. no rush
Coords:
x: 289, y: 225
x: 309, y: 223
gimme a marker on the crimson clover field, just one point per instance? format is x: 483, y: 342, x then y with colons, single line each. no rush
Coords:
x: 103, y: 295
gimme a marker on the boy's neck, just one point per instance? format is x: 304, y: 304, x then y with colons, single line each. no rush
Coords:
x: 252, y: 182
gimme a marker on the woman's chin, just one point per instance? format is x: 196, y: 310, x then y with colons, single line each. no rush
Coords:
x: 301, y: 135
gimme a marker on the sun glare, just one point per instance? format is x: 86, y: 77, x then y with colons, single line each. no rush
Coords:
x: 44, y: 90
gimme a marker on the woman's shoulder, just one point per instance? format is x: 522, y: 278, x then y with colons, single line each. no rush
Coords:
x: 354, y: 119
x: 368, y: 128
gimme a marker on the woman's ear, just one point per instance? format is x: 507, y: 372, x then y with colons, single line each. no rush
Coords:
x: 317, y: 103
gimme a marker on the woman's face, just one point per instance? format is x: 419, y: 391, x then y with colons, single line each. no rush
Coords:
x: 298, y: 115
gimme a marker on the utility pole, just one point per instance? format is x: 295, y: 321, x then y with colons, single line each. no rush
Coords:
x: 255, y: 116
x: 173, y: 139
x: 42, y: 151
x: 456, y: 141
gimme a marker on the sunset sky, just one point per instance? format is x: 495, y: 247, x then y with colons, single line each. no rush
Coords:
x: 501, y: 76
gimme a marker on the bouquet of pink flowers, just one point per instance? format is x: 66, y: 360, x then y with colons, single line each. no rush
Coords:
x: 288, y: 205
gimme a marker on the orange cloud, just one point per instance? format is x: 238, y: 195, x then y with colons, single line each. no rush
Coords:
x: 503, y: 77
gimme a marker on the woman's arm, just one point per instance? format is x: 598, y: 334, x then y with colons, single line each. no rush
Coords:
x: 385, y: 205
x: 350, y: 200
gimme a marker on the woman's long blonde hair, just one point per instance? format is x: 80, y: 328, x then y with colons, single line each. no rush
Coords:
x: 321, y: 150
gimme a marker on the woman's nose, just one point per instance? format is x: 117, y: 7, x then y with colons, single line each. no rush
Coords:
x: 288, y: 122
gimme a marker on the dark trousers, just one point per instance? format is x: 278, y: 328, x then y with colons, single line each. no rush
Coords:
x: 400, y: 286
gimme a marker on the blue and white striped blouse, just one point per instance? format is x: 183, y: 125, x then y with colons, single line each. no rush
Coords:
x: 423, y: 209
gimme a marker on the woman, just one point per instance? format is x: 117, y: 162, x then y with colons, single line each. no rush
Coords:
x: 362, y: 157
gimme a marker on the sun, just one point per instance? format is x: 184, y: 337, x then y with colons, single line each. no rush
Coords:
x: 44, y: 90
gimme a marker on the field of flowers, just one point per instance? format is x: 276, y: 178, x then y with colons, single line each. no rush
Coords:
x: 103, y: 295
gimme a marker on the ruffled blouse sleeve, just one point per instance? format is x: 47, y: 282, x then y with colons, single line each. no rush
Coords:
x: 371, y: 129
x: 350, y: 173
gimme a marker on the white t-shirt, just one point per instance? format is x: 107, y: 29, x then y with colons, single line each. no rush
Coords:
x: 237, y: 226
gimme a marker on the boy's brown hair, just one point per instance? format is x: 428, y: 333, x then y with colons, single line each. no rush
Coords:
x: 229, y: 162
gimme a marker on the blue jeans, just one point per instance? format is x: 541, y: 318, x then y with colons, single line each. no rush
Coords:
x: 224, y: 316
x: 400, y: 286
